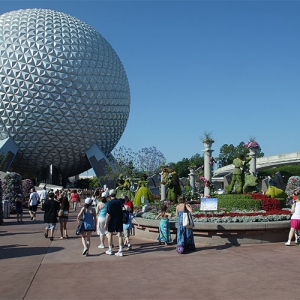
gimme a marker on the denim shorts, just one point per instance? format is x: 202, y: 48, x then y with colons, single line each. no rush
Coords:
x: 50, y: 226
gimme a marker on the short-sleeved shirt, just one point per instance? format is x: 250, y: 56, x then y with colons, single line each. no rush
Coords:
x: 130, y: 204
x: 44, y: 194
x: 114, y: 209
x: 50, y: 208
x: 34, y: 197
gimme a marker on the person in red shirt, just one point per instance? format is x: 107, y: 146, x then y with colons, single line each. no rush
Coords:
x: 75, y: 198
x: 129, y: 203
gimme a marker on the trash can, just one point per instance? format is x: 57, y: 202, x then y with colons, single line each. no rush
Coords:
x: 6, y: 209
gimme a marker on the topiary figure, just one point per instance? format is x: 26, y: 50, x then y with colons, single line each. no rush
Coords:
x: 124, y: 189
x: 251, y: 183
x: 293, y: 185
x: 171, y: 179
x: 275, y: 192
x: 238, y: 174
x: 12, y: 186
x: 143, y: 191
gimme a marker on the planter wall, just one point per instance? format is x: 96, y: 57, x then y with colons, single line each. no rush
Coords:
x: 222, y: 233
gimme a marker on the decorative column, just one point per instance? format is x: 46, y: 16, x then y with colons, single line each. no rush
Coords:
x: 207, y: 166
x: 162, y: 188
x: 252, y: 154
x: 192, y: 177
x: 252, y: 145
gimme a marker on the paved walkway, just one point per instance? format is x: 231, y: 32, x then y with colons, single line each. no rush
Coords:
x: 33, y: 267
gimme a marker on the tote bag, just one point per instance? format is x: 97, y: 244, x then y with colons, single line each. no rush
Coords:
x: 187, y: 219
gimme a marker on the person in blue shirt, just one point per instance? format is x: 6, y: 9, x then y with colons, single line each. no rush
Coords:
x: 127, y: 228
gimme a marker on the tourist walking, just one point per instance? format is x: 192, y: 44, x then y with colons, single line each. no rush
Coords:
x: 50, y: 208
x: 75, y: 199
x: 33, y: 203
x: 43, y: 195
x: 295, y: 219
x: 185, y: 237
x: 164, y: 226
x: 88, y: 216
x: 63, y: 218
x: 114, y: 222
x: 101, y: 211
x: 19, y: 208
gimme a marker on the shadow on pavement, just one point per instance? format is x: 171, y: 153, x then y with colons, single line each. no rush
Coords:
x: 12, y: 251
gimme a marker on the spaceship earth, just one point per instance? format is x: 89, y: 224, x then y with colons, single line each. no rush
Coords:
x: 63, y: 88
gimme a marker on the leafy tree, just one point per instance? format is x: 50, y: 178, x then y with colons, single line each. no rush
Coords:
x: 197, y: 160
x: 94, y: 182
x: 83, y: 183
x: 229, y: 152
x: 182, y: 167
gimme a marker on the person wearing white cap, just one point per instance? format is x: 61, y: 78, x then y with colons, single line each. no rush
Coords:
x: 114, y: 222
x: 88, y: 216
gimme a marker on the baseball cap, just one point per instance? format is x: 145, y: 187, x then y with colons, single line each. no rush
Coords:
x: 112, y: 192
x: 88, y: 200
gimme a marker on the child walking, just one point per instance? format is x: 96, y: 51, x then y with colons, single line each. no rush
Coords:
x: 127, y: 227
x: 164, y: 226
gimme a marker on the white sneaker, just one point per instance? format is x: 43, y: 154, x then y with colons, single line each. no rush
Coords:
x: 119, y: 253
x: 288, y: 243
x: 101, y: 246
x: 109, y: 252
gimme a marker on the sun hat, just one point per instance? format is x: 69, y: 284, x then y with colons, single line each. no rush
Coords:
x: 88, y: 200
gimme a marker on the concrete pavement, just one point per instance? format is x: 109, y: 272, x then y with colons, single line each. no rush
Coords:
x: 33, y: 267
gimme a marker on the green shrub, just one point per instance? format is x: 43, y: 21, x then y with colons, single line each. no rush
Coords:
x: 283, y: 202
x: 238, y: 202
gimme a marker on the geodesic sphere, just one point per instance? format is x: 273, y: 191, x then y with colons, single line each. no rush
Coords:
x: 63, y: 88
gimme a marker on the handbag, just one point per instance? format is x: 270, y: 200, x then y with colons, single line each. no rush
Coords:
x: 60, y: 212
x: 187, y: 219
x: 80, y: 228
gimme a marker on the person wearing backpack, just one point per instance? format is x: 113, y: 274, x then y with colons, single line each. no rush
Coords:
x: 127, y: 226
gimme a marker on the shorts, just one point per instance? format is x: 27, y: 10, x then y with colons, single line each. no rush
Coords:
x: 295, y: 224
x: 63, y: 218
x: 33, y: 207
x: 100, y: 226
x: 19, y: 210
x: 126, y: 233
x: 50, y: 226
x: 115, y: 225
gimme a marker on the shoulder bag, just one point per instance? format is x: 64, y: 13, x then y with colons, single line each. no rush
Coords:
x: 187, y: 219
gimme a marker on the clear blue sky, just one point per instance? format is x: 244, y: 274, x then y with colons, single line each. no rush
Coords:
x: 227, y: 67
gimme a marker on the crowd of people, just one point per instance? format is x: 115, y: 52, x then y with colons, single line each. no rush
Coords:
x: 104, y: 214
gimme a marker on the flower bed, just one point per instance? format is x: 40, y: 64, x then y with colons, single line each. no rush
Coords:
x: 271, y: 211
